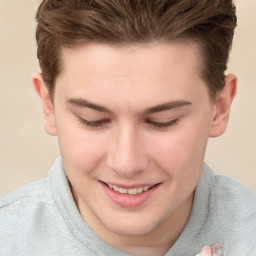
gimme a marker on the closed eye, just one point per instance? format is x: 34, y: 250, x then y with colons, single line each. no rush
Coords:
x: 95, y: 123
x: 162, y: 125
x: 103, y: 122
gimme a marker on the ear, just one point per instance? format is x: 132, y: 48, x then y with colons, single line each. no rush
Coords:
x: 49, y: 116
x: 222, y: 106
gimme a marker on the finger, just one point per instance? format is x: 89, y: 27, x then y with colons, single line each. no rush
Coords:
x: 217, y: 249
x: 206, y: 251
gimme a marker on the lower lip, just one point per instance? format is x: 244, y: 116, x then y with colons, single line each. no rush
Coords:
x: 129, y: 201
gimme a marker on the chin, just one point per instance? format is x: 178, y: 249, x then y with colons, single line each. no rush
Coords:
x: 131, y: 230
x: 134, y: 226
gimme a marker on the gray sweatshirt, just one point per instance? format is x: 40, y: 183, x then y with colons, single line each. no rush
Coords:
x: 41, y: 218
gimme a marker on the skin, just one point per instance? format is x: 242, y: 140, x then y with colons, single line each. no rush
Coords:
x: 132, y: 144
x: 206, y: 251
x: 213, y: 250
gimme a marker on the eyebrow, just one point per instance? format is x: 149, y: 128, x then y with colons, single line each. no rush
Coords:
x: 162, y: 107
x: 167, y: 106
x: 87, y: 104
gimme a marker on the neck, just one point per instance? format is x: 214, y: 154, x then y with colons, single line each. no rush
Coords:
x: 155, y: 242
x: 160, y: 240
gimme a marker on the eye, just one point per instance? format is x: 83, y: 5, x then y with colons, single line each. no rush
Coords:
x: 162, y: 125
x: 95, y: 123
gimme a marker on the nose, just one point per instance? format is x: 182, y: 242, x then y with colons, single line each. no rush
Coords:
x: 127, y: 156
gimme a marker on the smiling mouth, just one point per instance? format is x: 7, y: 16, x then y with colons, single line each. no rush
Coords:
x: 131, y: 191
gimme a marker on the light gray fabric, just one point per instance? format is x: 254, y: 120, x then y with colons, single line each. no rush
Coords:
x: 41, y: 218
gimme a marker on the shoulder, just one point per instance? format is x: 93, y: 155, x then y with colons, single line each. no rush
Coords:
x: 228, y: 198
x: 233, y: 214
x: 36, y: 191
x: 226, y: 191
x: 17, y: 210
x: 16, y: 207
x: 29, y: 195
x: 224, y: 211
x: 234, y: 194
x: 236, y: 203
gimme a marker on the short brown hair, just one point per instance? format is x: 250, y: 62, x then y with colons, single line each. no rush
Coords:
x: 65, y: 23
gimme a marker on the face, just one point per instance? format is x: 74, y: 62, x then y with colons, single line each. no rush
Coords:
x: 133, y: 124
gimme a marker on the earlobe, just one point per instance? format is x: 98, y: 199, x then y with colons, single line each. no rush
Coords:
x: 222, y: 106
x: 49, y: 116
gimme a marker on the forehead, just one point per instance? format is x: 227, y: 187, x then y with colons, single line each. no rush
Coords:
x: 97, y: 55
x: 150, y: 68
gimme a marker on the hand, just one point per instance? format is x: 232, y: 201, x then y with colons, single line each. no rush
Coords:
x: 206, y: 251
x: 214, y: 250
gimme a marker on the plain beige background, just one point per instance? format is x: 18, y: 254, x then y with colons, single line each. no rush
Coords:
x: 27, y: 152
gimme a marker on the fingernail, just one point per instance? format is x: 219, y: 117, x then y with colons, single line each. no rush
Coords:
x: 217, y: 249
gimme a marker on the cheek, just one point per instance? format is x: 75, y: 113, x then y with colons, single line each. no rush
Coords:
x: 80, y: 151
x: 181, y: 155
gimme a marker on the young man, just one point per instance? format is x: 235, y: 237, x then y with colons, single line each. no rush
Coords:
x: 133, y: 90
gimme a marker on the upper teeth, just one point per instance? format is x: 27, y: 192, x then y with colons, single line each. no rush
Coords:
x: 131, y: 191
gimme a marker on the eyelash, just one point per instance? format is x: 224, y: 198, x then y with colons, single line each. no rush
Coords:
x: 94, y: 124
x: 100, y: 123
x: 163, y: 125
